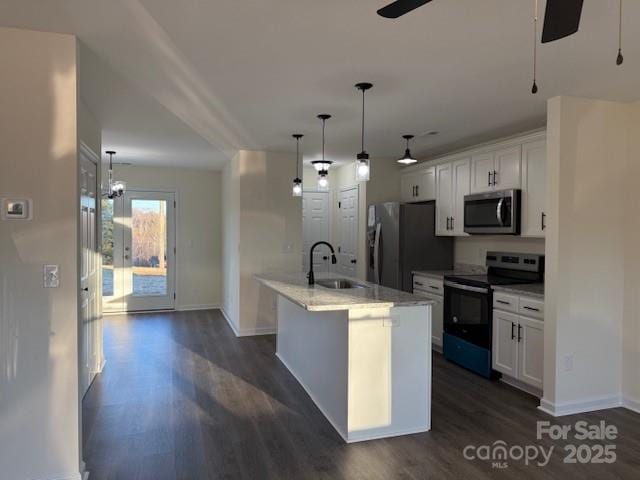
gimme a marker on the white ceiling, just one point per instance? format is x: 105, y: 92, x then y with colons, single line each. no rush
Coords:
x: 248, y: 73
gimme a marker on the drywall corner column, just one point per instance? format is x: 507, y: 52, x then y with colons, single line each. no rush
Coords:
x: 39, y: 397
x: 270, y: 233
x: 587, y: 150
x: 231, y: 242
x: 631, y: 327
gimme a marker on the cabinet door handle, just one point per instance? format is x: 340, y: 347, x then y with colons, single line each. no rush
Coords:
x: 494, y: 177
x: 434, y: 288
x: 418, y: 283
x: 542, y: 218
x: 488, y: 179
x: 513, y: 333
x: 519, y: 333
x: 503, y: 302
x: 417, y: 190
x: 531, y: 308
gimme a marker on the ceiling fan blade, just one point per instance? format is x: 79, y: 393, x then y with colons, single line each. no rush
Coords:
x: 400, y: 7
x: 561, y: 19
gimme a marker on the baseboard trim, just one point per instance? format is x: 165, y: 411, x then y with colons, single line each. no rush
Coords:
x: 632, y: 404
x: 205, y: 306
x: 313, y: 398
x: 571, y: 408
x: 229, y: 322
x: 73, y: 476
x: 515, y: 383
x: 252, y: 332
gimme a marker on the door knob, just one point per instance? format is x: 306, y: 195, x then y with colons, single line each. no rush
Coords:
x: 85, y: 289
x: 353, y: 261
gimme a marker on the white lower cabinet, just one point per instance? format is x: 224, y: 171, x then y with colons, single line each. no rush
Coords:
x: 505, y: 349
x: 518, y: 345
x: 421, y: 285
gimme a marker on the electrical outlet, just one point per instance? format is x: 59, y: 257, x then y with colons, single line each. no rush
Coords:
x: 51, y: 276
x: 568, y: 362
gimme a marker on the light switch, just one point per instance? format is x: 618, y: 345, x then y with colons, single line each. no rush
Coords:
x: 51, y: 278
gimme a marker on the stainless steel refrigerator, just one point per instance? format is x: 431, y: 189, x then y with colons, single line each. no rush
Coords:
x: 401, y: 238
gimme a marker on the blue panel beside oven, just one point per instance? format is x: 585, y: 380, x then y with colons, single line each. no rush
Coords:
x: 467, y: 354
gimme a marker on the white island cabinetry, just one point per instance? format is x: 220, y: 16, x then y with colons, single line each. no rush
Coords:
x: 363, y: 355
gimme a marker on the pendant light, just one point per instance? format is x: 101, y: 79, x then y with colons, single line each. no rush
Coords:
x: 115, y: 188
x: 363, y: 167
x: 297, y: 182
x: 322, y: 166
x: 620, y: 58
x: 534, y: 87
x: 407, y: 159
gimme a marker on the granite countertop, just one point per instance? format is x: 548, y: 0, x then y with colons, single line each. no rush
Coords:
x: 535, y: 290
x: 458, y: 269
x: 321, y: 299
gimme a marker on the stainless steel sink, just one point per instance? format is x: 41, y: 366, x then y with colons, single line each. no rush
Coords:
x: 339, y: 283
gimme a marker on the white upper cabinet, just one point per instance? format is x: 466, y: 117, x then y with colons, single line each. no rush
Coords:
x: 444, y: 199
x: 461, y: 185
x: 418, y: 186
x: 507, y: 164
x: 534, y: 164
x: 482, y: 172
x: 497, y: 170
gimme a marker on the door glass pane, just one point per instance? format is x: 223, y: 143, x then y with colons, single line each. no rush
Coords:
x: 148, y: 247
x: 107, y: 247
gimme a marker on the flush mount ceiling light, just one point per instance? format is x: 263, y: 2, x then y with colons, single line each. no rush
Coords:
x: 322, y: 166
x: 363, y: 167
x: 407, y: 158
x: 115, y: 188
x: 297, y: 182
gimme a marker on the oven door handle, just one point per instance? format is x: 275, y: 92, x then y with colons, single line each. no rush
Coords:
x: 467, y: 288
x: 499, y: 212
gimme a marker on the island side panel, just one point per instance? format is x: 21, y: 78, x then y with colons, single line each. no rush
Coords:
x: 313, y: 346
x: 389, y: 372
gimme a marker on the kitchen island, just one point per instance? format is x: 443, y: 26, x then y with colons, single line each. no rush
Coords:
x: 363, y: 354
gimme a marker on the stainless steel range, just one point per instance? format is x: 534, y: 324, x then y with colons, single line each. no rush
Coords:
x: 468, y: 307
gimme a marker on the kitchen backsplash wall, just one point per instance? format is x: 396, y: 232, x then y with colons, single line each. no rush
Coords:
x: 472, y: 250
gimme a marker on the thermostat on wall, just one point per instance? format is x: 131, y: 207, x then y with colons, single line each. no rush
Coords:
x: 16, y: 209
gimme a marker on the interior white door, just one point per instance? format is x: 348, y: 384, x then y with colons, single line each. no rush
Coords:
x: 148, y: 261
x: 534, y: 188
x: 90, y: 321
x: 531, y: 351
x: 315, y: 228
x: 505, y: 343
x: 444, y: 199
x: 348, y: 235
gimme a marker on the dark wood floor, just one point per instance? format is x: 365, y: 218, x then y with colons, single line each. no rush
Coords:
x: 182, y: 398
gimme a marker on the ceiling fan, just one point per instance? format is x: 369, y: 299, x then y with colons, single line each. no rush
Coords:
x: 561, y: 18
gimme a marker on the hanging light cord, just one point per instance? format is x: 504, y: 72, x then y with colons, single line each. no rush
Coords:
x: 298, y: 157
x: 363, y: 90
x: 620, y: 58
x: 323, y: 122
x: 534, y: 87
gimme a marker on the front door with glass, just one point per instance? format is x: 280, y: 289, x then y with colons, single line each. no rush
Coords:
x: 139, y: 252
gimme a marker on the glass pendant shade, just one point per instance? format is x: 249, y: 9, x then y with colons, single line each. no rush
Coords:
x: 118, y: 187
x: 115, y: 188
x: 297, y: 187
x: 321, y: 165
x: 323, y: 181
x: 407, y: 158
x: 363, y: 168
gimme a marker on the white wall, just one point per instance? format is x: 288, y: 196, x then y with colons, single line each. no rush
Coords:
x: 473, y: 250
x: 39, y: 421
x: 383, y: 186
x: 631, y: 326
x: 588, y: 180
x: 198, y: 228
x: 267, y: 238
x: 231, y: 243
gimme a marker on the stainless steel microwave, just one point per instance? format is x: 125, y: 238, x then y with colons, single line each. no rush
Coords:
x: 492, y: 213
